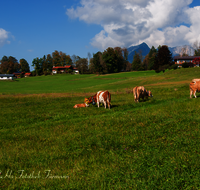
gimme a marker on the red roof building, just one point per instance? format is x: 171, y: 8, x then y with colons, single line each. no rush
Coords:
x: 61, y: 69
x: 194, y: 60
x: 28, y: 74
x: 18, y: 74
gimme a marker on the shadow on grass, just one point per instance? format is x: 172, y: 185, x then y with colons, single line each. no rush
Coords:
x: 114, y: 106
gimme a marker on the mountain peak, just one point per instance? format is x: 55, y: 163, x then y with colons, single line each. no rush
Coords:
x: 144, y: 49
x: 141, y: 48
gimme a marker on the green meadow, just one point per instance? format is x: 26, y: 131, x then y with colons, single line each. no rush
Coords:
x: 47, y: 144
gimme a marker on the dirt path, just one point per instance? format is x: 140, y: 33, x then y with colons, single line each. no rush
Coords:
x: 168, y: 83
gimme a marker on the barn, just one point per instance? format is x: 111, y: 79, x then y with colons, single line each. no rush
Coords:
x: 7, y: 76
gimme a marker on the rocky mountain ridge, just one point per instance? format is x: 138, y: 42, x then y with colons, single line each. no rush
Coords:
x: 144, y: 49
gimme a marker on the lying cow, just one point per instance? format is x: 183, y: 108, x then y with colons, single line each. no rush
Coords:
x: 141, y: 92
x: 194, y: 87
x: 100, y: 97
x: 81, y: 105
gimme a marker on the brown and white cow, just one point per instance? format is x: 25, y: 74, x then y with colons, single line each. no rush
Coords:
x: 100, y: 97
x: 194, y: 87
x: 81, y: 105
x: 141, y: 92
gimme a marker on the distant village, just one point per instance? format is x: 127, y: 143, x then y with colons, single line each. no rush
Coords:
x: 112, y: 60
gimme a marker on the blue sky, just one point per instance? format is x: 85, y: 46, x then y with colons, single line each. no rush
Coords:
x: 30, y: 29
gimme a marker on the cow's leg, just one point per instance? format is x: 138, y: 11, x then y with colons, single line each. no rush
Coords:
x: 108, y: 104
x: 135, y: 97
x: 191, y: 92
x: 104, y: 102
x: 97, y: 101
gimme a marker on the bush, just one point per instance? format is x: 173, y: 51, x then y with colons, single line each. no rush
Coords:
x: 21, y: 75
x: 33, y: 73
x: 47, y: 73
x: 185, y: 65
x: 174, y: 66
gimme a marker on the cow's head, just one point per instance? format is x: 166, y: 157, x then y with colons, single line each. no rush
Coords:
x: 91, y: 99
x: 86, y: 101
x: 149, y: 94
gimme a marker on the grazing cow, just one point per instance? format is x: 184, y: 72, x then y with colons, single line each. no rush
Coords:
x: 194, y: 87
x: 81, y: 105
x: 141, y: 92
x: 100, y: 97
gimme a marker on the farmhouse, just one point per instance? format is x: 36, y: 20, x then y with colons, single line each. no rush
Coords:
x: 189, y: 59
x: 64, y: 69
x: 7, y: 76
x: 28, y: 74
x: 76, y: 71
x: 18, y: 74
x: 61, y: 69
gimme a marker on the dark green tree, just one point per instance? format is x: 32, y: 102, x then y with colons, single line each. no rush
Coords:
x: 163, y: 59
x: 110, y: 60
x: 36, y: 63
x: 137, y: 62
x: 49, y: 63
x: 24, y: 66
x: 97, y: 59
x: 151, y: 58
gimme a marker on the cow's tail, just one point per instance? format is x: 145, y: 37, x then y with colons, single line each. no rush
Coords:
x: 192, y: 84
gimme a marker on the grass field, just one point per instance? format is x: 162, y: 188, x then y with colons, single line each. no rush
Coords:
x: 47, y: 144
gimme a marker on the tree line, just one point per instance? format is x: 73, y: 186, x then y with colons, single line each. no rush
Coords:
x: 9, y: 65
x: 111, y: 60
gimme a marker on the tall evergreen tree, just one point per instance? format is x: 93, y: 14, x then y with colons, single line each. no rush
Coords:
x: 151, y: 58
x: 97, y: 62
x: 137, y: 62
x: 163, y: 59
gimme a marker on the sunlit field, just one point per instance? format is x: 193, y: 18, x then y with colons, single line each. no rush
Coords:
x: 47, y: 144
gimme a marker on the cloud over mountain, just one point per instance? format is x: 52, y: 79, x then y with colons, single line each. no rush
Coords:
x: 131, y: 22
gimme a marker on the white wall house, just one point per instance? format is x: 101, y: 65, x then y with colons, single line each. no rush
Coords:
x: 7, y: 76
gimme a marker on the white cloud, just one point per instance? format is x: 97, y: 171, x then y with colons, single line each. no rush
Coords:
x: 4, y: 35
x: 130, y: 22
x: 194, y: 15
